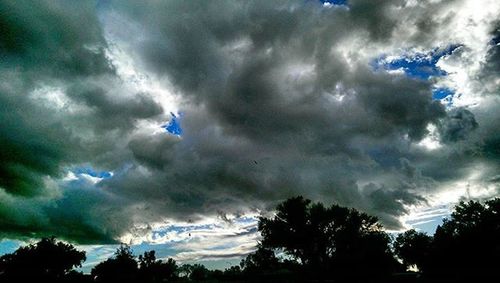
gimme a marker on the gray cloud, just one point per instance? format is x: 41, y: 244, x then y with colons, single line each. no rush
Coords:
x: 458, y: 124
x: 278, y: 99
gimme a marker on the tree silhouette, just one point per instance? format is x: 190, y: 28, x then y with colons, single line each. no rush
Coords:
x: 45, y: 261
x: 413, y: 248
x: 195, y: 272
x: 231, y: 273
x: 304, y: 241
x: 264, y: 265
x: 153, y: 270
x: 468, y: 244
x: 262, y: 259
x: 329, y: 241
x: 122, y: 267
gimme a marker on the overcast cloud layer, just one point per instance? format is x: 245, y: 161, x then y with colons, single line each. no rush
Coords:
x: 274, y: 99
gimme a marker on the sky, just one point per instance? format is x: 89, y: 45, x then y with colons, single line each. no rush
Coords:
x: 174, y: 125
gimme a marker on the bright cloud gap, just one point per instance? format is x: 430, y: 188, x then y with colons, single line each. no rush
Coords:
x: 329, y: 3
x: 417, y: 65
x: 174, y: 125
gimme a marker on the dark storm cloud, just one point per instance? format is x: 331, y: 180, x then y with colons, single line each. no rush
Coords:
x: 458, y: 124
x: 490, y: 88
x: 112, y: 113
x: 40, y: 41
x: 278, y: 99
x: 50, y: 38
x: 261, y: 130
x: 31, y: 145
x: 47, y: 45
x: 492, y: 65
x: 86, y: 216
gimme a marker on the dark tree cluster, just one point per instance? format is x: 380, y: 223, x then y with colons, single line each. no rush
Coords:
x: 303, y: 242
x: 45, y: 261
x: 329, y: 242
x: 124, y: 267
x: 466, y: 247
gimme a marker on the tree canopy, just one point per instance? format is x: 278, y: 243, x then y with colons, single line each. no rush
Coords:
x: 413, y: 248
x: 329, y: 241
x: 121, y: 267
x: 467, y: 245
x: 47, y: 259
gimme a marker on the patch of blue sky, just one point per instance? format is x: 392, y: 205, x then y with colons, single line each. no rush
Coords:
x: 428, y: 219
x: 417, y: 65
x: 92, y: 172
x: 180, y: 229
x: 184, y: 228
x: 9, y: 246
x: 174, y: 125
x: 427, y: 226
x: 95, y: 254
x: 246, y: 220
x: 162, y: 250
x: 208, y: 243
x: 442, y: 93
x: 333, y: 2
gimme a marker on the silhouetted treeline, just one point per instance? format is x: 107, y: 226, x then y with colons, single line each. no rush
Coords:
x: 303, y: 242
x: 45, y: 261
x: 466, y: 247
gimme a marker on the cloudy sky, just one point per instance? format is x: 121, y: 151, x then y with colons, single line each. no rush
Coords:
x: 172, y: 125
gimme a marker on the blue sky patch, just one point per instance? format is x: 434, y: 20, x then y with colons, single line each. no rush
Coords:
x: 418, y: 65
x: 246, y: 220
x: 442, y: 93
x: 91, y: 172
x: 427, y: 225
x: 428, y: 219
x: 174, y: 126
x: 184, y: 228
x: 9, y: 246
x: 334, y: 2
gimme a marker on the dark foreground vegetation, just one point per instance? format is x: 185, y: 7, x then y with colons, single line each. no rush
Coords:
x: 303, y: 242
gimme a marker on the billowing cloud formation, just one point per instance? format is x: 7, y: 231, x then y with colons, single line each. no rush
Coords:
x: 277, y: 99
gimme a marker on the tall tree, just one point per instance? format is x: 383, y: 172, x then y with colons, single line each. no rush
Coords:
x: 413, y: 248
x: 47, y: 260
x: 324, y: 239
x: 195, y: 272
x: 122, y: 267
x: 153, y: 270
x: 261, y: 260
x: 467, y: 245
